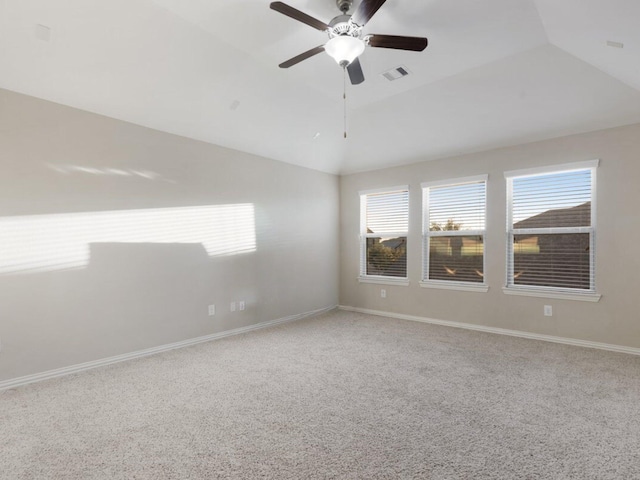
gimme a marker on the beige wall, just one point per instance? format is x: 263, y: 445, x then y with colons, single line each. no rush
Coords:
x: 613, y: 320
x: 56, y: 161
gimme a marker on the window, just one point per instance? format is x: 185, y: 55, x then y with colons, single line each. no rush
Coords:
x: 551, y: 231
x: 384, y: 223
x: 453, y: 233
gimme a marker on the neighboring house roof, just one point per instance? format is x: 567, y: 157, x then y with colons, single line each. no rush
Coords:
x: 394, y: 243
x: 578, y: 216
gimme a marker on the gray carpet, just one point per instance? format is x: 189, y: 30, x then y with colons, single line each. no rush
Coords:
x: 342, y: 395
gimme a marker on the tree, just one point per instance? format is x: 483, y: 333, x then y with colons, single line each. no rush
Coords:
x: 449, y: 226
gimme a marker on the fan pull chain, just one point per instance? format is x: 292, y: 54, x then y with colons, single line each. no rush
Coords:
x: 344, y: 97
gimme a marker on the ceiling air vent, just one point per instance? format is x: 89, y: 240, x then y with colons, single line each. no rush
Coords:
x: 395, y: 73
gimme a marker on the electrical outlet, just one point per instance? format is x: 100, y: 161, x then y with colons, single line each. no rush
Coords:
x: 212, y: 310
x: 232, y: 307
x: 383, y: 293
x: 548, y: 311
x: 241, y: 305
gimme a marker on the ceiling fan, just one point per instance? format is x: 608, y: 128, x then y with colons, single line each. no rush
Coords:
x: 346, y: 41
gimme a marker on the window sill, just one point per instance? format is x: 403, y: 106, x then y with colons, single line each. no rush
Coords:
x: 465, y: 287
x: 529, y: 292
x: 404, y: 282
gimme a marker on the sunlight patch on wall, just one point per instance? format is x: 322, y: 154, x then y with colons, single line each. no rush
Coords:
x: 40, y: 243
x: 107, y: 171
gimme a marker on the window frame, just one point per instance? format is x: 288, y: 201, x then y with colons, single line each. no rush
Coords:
x: 511, y: 288
x: 363, y: 277
x: 427, y: 234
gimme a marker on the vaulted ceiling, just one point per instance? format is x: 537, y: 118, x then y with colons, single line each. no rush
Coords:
x: 495, y: 73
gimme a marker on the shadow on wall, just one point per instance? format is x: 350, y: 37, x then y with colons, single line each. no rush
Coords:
x: 42, y: 243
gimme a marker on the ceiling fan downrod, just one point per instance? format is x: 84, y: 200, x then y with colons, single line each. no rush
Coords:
x: 344, y: 5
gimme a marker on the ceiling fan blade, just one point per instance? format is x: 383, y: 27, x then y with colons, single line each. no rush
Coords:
x: 365, y: 11
x: 355, y: 72
x: 416, y: 44
x: 298, y: 15
x: 302, y: 56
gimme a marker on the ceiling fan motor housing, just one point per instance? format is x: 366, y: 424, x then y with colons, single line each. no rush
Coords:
x: 341, y: 25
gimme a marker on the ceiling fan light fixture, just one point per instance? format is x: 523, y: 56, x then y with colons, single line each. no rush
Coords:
x: 344, y: 49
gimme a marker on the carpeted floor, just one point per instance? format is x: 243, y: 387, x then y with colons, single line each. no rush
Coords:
x: 342, y: 395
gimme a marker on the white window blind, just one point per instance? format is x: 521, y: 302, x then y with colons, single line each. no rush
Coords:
x: 453, y: 230
x: 551, y: 229
x: 384, y: 218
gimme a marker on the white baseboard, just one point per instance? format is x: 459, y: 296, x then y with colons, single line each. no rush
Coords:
x: 59, y: 372
x: 499, y: 331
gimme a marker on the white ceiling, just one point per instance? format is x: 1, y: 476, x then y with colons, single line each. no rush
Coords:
x: 495, y: 73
